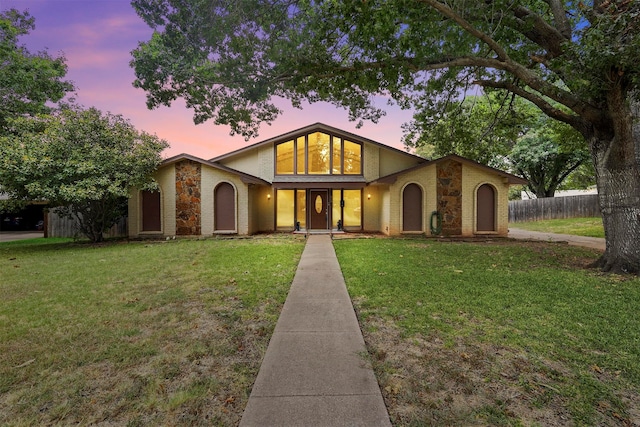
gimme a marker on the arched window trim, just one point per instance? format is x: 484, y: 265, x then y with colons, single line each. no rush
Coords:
x: 235, y: 209
x: 495, y: 208
x: 422, y: 207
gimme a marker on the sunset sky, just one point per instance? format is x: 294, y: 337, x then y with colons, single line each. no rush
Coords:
x: 96, y: 38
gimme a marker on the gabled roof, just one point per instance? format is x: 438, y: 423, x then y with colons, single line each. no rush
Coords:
x: 511, y: 179
x: 244, y: 177
x: 321, y: 127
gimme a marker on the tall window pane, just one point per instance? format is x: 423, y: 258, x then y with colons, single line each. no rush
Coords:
x: 337, y: 156
x: 301, y: 207
x: 352, y: 158
x: 300, y: 150
x: 319, y: 151
x: 336, y: 211
x: 284, y: 158
x: 352, y: 208
x: 284, y: 209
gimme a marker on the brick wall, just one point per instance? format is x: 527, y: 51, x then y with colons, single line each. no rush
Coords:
x: 211, y: 178
x: 472, y: 179
x: 371, y: 161
x: 450, y: 189
x: 165, y: 177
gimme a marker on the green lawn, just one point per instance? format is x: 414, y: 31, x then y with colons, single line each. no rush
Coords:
x: 502, y: 333
x: 173, y: 332
x: 590, y: 227
x: 139, y: 333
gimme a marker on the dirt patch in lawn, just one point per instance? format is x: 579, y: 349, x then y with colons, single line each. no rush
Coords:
x: 425, y: 381
x: 195, y: 365
x: 565, y: 254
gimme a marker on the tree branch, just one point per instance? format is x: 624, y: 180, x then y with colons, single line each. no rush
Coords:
x: 545, y: 106
x: 542, y: 34
x: 571, y: 169
x: 518, y: 70
x: 560, y: 18
x: 411, y: 63
x: 464, y: 24
x: 504, y: 62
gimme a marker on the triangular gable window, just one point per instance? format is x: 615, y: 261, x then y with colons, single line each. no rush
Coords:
x: 319, y: 153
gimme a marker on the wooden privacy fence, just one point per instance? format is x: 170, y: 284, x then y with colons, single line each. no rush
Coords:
x: 554, y: 208
x: 58, y: 226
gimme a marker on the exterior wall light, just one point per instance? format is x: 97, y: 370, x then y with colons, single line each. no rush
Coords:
x: 269, y: 196
x: 368, y: 196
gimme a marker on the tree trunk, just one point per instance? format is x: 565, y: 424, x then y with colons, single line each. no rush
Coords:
x: 550, y: 192
x: 616, y: 156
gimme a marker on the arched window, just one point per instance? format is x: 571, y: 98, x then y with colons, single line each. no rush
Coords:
x: 151, y: 218
x: 412, y: 208
x: 486, y: 208
x: 224, y: 207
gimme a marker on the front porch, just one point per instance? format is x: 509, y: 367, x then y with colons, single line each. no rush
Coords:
x: 318, y: 210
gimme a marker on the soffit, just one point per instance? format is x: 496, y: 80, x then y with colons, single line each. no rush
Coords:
x: 320, y: 181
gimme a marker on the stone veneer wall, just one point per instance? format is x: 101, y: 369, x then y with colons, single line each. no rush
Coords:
x: 188, y: 198
x: 449, y: 196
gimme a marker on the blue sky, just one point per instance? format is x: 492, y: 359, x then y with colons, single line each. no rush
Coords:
x: 96, y: 38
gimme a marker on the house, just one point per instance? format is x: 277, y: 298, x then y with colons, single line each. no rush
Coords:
x: 322, y: 178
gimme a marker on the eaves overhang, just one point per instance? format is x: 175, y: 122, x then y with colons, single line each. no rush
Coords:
x: 316, y: 127
x: 244, y: 177
x: 319, y: 181
x: 506, y: 176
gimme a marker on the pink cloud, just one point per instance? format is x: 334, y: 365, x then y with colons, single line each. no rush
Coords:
x: 96, y: 38
x: 88, y: 57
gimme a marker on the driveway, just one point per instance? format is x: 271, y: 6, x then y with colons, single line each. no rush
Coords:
x: 9, y: 236
x: 587, y: 242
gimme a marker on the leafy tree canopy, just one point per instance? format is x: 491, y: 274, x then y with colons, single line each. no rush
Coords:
x: 228, y: 59
x: 577, y: 61
x: 481, y: 128
x: 506, y: 133
x: 82, y: 160
x: 28, y: 81
x: 547, y: 155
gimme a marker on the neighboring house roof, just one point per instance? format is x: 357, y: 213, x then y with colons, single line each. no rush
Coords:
x: 524, y: 195
x: 245, y: 177
x: 511, y: 179
x: 313, y: 128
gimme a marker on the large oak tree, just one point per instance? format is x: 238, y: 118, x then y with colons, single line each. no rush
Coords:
x: 578, y: 61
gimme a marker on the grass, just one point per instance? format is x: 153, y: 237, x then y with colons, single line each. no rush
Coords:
x: 589, y: 227
x: 173, y: 332
x: 138, y: 333
x: 502, y: 333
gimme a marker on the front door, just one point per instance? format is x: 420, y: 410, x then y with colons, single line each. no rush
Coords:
x: 318, y: 208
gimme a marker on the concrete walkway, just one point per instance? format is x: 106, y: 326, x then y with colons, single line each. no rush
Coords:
x: 10, y: 236
x: 314, y: 372
x: 588, y: 242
